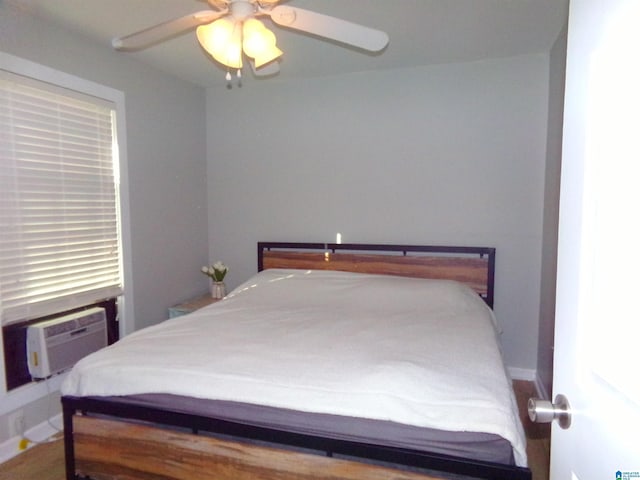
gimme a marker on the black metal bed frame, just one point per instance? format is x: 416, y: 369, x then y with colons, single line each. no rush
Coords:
x: 401, y: 458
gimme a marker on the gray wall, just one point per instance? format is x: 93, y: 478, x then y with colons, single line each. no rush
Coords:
x: 166, y: 161
x: 449, y: 154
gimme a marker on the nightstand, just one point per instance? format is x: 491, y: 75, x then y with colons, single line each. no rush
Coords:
x: 191, y: 305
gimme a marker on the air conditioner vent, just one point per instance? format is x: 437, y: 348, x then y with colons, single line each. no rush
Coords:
x: 56, y: 345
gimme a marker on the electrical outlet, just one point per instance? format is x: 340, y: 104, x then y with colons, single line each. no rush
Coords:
x: 17, y: 424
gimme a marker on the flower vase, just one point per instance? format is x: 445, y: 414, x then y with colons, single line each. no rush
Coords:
x: 218, y: 290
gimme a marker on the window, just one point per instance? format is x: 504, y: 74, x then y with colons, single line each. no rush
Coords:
x: 59, y: 204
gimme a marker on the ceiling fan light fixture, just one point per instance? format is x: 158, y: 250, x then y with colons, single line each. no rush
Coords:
x: 267, y: 57
x: 252, y: 26
x: 214, y: 34
x: 231, y: 56
x: 259, y: 42
x: 222, y: 40
x: 225, y: 40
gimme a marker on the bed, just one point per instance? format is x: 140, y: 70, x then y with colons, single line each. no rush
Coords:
x: 335, y: 361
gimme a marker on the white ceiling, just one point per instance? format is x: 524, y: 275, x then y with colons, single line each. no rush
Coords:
x: 421, y: 32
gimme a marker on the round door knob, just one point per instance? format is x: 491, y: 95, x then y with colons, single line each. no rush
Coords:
x: 543, y: 411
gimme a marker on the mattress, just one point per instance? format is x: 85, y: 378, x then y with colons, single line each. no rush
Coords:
x: 322, y: 348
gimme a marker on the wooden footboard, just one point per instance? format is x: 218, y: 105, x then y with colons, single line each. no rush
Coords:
x: 106, y: 439
x: 110, y: 450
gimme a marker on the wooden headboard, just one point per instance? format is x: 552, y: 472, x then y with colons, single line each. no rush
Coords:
x: 474, y: 266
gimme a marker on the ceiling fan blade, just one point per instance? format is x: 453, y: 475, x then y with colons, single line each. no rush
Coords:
x: 164, y: 31
x: 219, y: 4
x: 271, y: 68
x: 329, y: 27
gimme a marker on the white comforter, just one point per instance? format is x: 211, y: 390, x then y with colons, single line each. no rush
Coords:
x: 418, y: 352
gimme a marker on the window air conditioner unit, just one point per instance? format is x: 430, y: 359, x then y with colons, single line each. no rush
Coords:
x: 56, y: 345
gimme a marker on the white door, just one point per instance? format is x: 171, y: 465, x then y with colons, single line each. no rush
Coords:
x: 597, y: 354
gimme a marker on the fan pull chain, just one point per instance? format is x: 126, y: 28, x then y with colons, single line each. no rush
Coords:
x: 238, y: 76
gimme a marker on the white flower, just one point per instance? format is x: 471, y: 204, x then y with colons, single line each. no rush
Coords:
x: 217, y: 271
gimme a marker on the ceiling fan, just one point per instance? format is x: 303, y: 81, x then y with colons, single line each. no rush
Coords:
x: 231, y: 28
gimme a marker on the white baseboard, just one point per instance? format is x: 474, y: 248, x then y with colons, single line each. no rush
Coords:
x: 541, y: 391
x: 39, y: 433
x: 530, y: 376
x: 522, y: 374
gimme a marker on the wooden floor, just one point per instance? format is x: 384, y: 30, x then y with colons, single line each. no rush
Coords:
x: 46, y: 461
x: 42, y: 462
x: 538, y: 435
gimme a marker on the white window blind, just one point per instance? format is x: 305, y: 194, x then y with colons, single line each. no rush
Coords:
x: 59, y: 225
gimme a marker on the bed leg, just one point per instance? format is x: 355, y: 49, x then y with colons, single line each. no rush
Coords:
x: 69, y: 455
